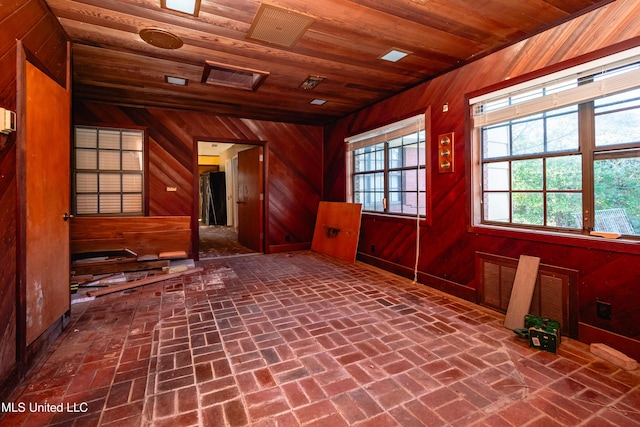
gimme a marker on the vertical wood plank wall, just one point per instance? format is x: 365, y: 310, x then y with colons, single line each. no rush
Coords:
x: 40, y: 33
x: 447, y: 246
x: 293, y: 157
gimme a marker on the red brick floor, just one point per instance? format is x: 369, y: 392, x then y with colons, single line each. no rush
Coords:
x: 302, y: 339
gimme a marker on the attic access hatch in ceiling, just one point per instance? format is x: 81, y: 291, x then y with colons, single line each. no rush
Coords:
x: 278, y: 26
x: 219, y: 74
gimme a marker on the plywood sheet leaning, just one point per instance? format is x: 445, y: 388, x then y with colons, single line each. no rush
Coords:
x: 337, y: 230
x: 522, y: 291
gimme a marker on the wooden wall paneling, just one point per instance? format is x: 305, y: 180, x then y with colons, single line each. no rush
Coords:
x: 143, y: 235
x: 448, y: 245
x: 8, y: 309
x: 293, y: 152
x: 29, y: 22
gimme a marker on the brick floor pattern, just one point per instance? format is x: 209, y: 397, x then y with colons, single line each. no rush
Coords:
x: 300, y: 339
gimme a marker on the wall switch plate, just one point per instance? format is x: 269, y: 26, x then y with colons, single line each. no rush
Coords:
x: 604, y: 310
x: 8, y: 121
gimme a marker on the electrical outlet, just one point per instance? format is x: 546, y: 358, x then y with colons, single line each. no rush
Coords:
x: 373, y: 249
x: 604, y: 310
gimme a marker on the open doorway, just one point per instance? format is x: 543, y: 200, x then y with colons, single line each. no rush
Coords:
x: 219, y: 220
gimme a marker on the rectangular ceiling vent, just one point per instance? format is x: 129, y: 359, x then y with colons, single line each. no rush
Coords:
x: 278, y: 26
x: 219, y: 74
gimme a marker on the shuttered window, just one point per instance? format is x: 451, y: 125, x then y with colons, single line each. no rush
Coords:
x: 108, y: 171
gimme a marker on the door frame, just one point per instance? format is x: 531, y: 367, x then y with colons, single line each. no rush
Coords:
x: 195, y: 229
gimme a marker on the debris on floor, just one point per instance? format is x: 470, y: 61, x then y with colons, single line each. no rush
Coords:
x: 104, y: 272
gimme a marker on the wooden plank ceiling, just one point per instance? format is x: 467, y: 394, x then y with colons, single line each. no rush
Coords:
x: 344, y: 44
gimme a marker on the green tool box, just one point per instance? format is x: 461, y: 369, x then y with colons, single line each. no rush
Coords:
x: 544, y: 334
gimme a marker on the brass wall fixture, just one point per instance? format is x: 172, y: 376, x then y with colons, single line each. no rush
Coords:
x: 445, y: 153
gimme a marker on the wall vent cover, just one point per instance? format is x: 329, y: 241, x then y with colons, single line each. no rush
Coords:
x: 278, y: 26
x: 554, y: 295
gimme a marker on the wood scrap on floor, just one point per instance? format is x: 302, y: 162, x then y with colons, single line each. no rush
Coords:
x: 142, y: 282
x: 172, y: 255
x: 614, y: 356
x: 117, y: 266
x: 179, y: 265
x: 113, y: 271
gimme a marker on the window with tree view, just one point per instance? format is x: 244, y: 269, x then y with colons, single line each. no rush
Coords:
x: 388, y: 171
x: 563, y: 157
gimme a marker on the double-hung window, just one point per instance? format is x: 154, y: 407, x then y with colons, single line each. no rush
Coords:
x: 108, y: 172
x: 562, y: 154
x: 387, y: 168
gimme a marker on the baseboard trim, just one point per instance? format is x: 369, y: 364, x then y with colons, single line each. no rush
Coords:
x: 590, y: 334
x: 447, y: 286
x: 290, y: 247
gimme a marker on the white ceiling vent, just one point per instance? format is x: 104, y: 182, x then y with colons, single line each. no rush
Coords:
x: 278, y: 26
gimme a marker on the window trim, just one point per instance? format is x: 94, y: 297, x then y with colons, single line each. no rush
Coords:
x: 622, y: 54
x: 382, y: 134
x: 145, y: 171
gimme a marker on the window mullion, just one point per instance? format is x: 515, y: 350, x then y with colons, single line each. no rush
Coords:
x: 385, y: 200
x: 586, y: 122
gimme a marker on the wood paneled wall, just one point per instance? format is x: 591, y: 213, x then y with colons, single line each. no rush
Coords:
x: 293, y: 163
x: 30, y: 22
x: 607, y: 272
x: 144, y: 235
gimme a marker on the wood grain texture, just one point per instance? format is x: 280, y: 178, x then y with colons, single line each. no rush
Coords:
x: 112, y: 65
x: 337, y: 230
x: 251, y: 198
x: 40, y: 33
x: 8, y: 233
x: 48, y: 109
x: 292, y: 153
x: 143, y: 235
x: 605, y: 271
x: 522, y: 291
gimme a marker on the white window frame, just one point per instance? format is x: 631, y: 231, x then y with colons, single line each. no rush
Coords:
x: 384, y: 134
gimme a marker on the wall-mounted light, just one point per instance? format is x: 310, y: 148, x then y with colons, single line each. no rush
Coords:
x: 445, y: 153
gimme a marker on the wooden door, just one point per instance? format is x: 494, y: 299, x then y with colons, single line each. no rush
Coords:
x: 250, y: 195
x: 46, y: 162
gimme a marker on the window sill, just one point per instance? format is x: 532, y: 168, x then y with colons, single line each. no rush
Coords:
x: 398, y: 219
x: 566, y: 239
